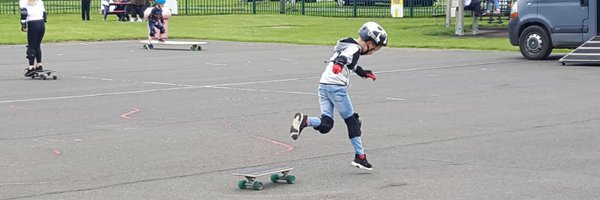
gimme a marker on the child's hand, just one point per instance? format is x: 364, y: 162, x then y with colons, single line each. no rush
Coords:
x: 23, y: 26
x: 365, y: 73
x: 337, y: 68
x: 371, y: 75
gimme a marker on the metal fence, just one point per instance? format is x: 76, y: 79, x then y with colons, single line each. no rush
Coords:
x: 330, y: 8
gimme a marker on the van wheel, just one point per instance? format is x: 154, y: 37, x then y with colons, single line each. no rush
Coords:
x: 535, y: 43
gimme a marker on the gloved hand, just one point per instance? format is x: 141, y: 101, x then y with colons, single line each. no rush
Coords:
x: 337, y: 68
x: 370, y: 75
x: 365, y: 73
x: 23, y: 26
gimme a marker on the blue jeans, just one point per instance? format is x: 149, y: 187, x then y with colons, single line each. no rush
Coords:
x: 336, y: 97
x: 155, y: 24
x: 105, y: 12
x: 494, y: 2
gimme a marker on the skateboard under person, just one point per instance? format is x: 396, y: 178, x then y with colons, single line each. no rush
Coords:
x: 334, y: 84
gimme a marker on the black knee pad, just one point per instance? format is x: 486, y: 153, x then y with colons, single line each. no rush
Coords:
x: 354, y: 125
x: 30, y: 53
x: 326, y: 124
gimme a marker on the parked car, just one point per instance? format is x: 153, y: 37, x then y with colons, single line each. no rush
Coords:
x: 407, y: 3
x: 419, y: 3
x: 538, y: 26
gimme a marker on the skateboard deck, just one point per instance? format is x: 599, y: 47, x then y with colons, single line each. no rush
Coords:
x: 44, y: 74
x: 194, y: 45
x: 252, y: 173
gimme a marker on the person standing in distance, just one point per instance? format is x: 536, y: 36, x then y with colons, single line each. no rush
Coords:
x: 85, y: 9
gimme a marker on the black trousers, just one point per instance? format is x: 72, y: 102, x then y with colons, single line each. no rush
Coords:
x: 475, y: 6
x: 85, y: 9
x: 139, y: 10
x: 35, y: 33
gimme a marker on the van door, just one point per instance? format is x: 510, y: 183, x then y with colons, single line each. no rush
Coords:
x: 568, y: 20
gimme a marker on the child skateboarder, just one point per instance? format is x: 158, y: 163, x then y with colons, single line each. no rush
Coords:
x: 156, y: 21
x: 33, y: 19
x: 334, y: 84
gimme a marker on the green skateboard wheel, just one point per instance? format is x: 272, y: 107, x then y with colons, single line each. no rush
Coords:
x: 257, y: 185
x: 291, y: 179
x: 242, y: 184
x: 274, y: 178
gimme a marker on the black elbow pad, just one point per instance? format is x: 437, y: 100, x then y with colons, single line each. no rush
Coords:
x: 23, y: 14
x: 342, y: 60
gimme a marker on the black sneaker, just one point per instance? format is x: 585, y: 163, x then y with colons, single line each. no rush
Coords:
x: 298, y: 123
x: 361, y: 163
x: 39, y: 68
x: 29, y: 72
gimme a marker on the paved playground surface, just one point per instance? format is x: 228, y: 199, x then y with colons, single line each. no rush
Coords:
x: 122, y: 122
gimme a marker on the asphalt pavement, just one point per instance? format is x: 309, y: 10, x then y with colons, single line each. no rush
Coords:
x: 122, y: 122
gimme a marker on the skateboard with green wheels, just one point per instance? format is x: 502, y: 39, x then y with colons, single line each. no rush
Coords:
x: 277, y: 174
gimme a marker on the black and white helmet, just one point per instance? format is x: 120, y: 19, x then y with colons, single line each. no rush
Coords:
x: 374, y: 32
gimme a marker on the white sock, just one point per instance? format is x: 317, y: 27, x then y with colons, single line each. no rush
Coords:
x: 31, y: 67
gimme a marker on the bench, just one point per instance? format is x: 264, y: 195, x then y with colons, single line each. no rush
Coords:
x: 505, y: 7
x: 117, y: 12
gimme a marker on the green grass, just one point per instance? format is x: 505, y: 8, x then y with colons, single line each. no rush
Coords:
x: 206, y: 7
x: 403, y: 32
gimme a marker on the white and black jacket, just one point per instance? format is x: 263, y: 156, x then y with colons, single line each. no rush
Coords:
x: 346, y: 53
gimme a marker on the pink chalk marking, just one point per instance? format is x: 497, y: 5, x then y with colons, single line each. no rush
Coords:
x: 126, y: 115
x: 288, y: 146
x: 56, y: 152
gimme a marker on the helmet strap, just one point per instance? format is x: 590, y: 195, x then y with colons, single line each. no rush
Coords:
x: 369, y: 49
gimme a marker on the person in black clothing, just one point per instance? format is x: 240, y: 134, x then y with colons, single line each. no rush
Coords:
x: 475, y: 6
x: 137, y: 10
x: 33, y: 19
x: 85, y: 9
